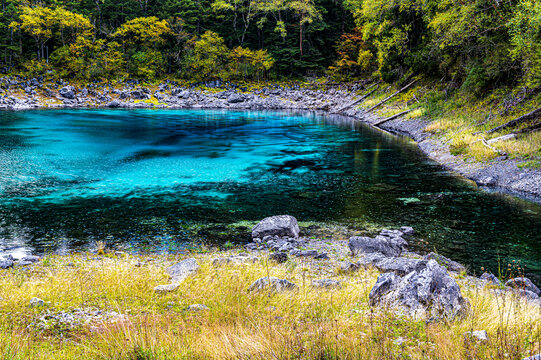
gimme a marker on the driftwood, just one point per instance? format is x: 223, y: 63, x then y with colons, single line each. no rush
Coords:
x: 392, y: 96
x: 358, y: 100
x: 485, y: 143
x: 391, y: 118
x: 515, y: 122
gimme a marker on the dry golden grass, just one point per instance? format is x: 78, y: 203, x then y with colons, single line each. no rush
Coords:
x: 303, y: 324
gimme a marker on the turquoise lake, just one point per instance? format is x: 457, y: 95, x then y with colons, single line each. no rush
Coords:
x: 144, y: 178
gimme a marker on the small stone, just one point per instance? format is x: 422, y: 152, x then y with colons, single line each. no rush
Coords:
x: 307, y: 253
x: 322, y: 256
x: 479, y: 335
x: 31, y: 258
x: 491, y: 278
x: 534, y: 357
x: 273, y: 283
x: 326, y: 284
x: 407, y: 230
x: 523, y: 283
x: 6, y: 263
x: 197, y: 307
x: 36, y: 302
x: 279, y: 257
x: 281, y: 225
x: 166, y: 288
x: 183, y: 269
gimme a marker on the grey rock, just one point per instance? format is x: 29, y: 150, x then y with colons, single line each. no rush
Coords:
x: 363, y: 244
x: 197, y: 307
x: 166, y: 288
x: 523, y: 283
x: 235, y: 260
x: 407, y: 230
x: 235, y: 98
x: 400, y: 265
x: 183, y: 269
x: 114, y: 104
x: 281, y: 225
x: 491, y: 278
x: 6, y: 263
x: 22, y: 263
x: 448, y: 263
x: 36, y: 302
x: 534, y: 357
x: 530, y: 295
x: 383, y: 285
x: 348, y: 267
x: 487, y: 181
x: 477, y: 335
x: 326, y: 284
x: 322, y: 256
x: 307, y: 253
x: 370, y: 259
x: 430, y: 289
x: 272, y: 283
x: 67, y: 92
x: 279, y: 257
x: 31, y: 258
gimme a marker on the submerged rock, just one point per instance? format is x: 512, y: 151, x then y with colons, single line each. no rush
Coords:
x: 430, y: 289
x: 179, y: 272
x: 272, y: 283
x: 281, y: 225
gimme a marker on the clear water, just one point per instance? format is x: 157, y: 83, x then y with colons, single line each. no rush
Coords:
x: 143, y: 177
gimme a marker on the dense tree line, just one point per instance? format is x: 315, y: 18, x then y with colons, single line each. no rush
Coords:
x: 475, y: 44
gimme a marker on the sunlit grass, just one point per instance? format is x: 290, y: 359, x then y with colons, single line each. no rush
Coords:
x: 308, y: 323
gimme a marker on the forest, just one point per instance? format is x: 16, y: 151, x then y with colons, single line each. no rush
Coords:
x: 472, y: 45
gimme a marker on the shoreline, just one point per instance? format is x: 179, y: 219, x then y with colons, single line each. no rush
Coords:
x: 501, y: 175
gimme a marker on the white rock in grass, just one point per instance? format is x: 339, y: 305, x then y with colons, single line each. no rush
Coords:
x: 36, y: 302
x: 197, y: 307
x: 166, y: 288
x: 478, y: 335
x: 183, y: 269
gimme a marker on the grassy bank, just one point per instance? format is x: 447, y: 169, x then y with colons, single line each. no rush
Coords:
x: 462, y: 120
x: 138, y: 323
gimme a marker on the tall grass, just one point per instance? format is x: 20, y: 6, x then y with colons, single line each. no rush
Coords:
x: 308, y: 323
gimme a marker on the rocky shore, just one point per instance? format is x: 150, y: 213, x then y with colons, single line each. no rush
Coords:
x: 500, y: 174
x: 430, y: 287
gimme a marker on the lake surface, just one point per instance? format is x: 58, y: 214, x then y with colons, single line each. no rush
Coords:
x: 148, y: 177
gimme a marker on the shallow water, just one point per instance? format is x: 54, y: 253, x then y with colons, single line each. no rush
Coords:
x: 145, y: 177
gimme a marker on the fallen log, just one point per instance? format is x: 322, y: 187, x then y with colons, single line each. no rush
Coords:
x: 515, y: 122
x: 358, y: 100
x: 391, y: 117
x: 392, y: 96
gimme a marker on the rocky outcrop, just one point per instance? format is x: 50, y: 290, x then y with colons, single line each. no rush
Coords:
x: 448, y: 263
x: 427, y: 291
x: 281, y: 225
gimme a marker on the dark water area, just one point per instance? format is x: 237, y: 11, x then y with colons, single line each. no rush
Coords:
x: 143, y: 178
